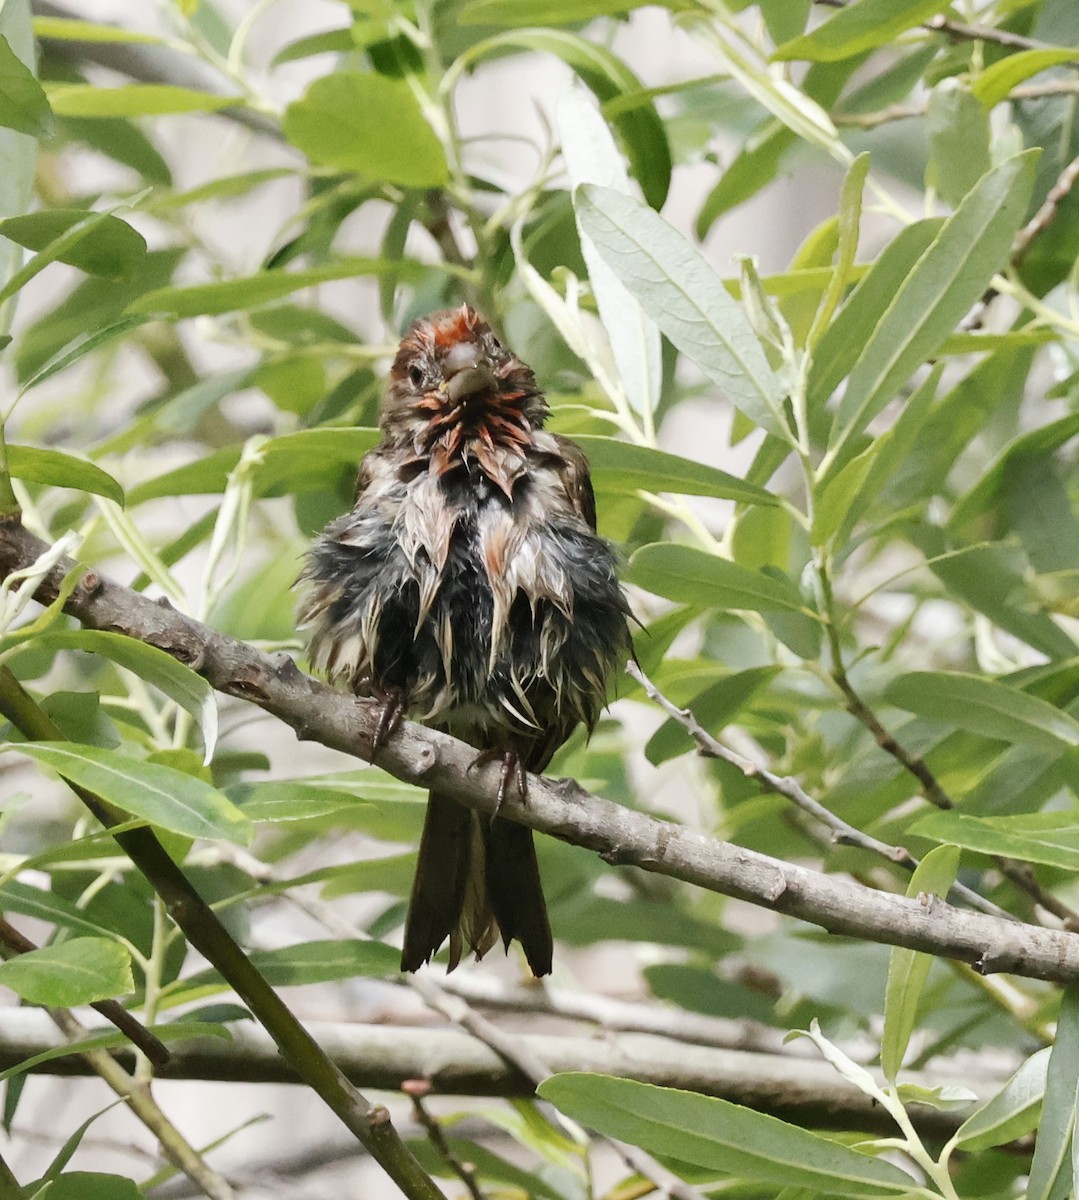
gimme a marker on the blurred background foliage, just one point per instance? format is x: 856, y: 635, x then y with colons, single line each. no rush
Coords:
x: 831, y: 405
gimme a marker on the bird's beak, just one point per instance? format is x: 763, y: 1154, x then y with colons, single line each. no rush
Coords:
x: 467, y: 373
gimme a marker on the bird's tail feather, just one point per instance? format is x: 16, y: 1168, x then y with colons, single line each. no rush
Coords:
x: 474, y: 879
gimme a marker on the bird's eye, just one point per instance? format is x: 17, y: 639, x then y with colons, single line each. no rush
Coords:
x: 415, y: 375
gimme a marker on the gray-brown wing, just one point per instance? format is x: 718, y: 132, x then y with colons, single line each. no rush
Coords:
x: 576, y: 478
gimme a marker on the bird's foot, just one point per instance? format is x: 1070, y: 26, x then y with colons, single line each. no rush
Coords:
x: 391, y: 710
x: 512, y: 770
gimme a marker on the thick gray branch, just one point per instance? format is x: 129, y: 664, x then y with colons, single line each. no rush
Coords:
x: 559, y: 807
x: 381, y: 1057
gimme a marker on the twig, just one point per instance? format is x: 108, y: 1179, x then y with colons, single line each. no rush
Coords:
x: 416, y: 1089
x: 904, y: 112
x: 560, y: 807
x: 1021, y: 874
x: 370, y: 1123
x: 959, y: 32
x: 623, y: 1016
x: 140, y: 1101
x: 842, y: 832
x: 154, y: 1049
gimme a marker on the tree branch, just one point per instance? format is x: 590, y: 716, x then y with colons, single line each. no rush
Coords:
x: 384, y: 1057
x: 559, y: 807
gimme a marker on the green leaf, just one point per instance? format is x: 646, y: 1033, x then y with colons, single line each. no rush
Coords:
x: 111, y: 249
x: 211, y: 299
x: 229, y: 187
x: 543, y: 12
x: 971, y: 246
x: 57, y: 469
x: 64, y: 29
x: 720, y: 1136
x: 291, y: 800
x: 846, y: 337
x: 1051, y: 838
x: 990, y: 490
x: 994, y: 83
x: 82, y: 347
x: 686, y: 299
x: 1013, y: 1112
x: 23, y: 106
x: 161, y: 795
x: 78, y: 971
x: 316, y: 962
x: 591, y: 156
x: 291, y: 463
x: 91, y: 1185
x: 17, y: 150
x: 46, y: 906
x: 367, y: 123
x: 862, y: 25
x: 1051, y: 1166
x: 958, y: 128
x: 692, y: 576
x: 985, y: 707
x: 156, y: 667
x: 625, y: 468
x: 714, y: 707
x: 908, y: 969
x: 133, y: 100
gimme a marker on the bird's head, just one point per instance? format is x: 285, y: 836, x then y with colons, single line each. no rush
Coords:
x: 455, y: 391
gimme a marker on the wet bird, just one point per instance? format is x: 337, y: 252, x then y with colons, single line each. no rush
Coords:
x: 468, y: 588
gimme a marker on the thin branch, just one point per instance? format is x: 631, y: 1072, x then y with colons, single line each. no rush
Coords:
x: 801, y: 1090
x: 620, y: 1016
x: 416, y: 1089
x: 842, y: 832
x: 140, y: 1101
x: 904, y: 112
x: 154, y: 1049
x: 958, y: 32
x: 560, y: 807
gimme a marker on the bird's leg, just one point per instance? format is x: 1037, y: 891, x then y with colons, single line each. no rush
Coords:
x: 390, y: 711
x: 512, y: 770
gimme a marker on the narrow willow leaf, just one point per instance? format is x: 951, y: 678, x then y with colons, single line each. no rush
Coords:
x: 133, y: 100
x: 23, y: 106
x: 850, y: 221
x: 316, y: 962
x: 1050, y: 838
x: 1013, y: 1112
x: 909, y: 969
x: 720, y: 1136
x: 623, y: 467
x: 1051, y: 1166
x: 958, y: 128
x: 212, y: 299
x: 17, y: 150
x: 985, y: 707
x: 109, y: 248
x: 686, y: 299
x: 78, y: 971
x: 592, y: 157
x: 153, y: 665
x: 692, y: 576
x: 859, y: 26
x: 971, y: 246
x: 82, y: 347
x: 159, y: 794
x: 992, y: 85
x: 58, y: 469
x: 714, y: 707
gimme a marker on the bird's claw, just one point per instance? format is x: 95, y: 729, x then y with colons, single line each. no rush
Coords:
x: 512, y: 770
x: 390, y: 713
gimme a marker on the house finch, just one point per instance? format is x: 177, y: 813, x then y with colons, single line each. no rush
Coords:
x: 468, y: 588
